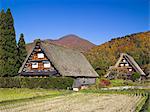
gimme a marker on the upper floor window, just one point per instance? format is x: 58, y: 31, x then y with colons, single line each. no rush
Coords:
x: 47, y: 64
x: 35, y: 65
x: 121, y: 65
x: 40, y: 55
x: 126, y: 64
x: 124, y: 60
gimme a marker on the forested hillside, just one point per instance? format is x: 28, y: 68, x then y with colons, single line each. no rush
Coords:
x: 105, y: 55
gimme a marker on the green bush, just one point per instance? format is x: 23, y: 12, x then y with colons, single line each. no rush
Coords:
x: 135, y: 76
x: 46, y: 83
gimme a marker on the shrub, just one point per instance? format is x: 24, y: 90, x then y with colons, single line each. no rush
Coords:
x: 104, y: 83
x: 9, y: 82
x: 135, y: 76
x: 46, y: 83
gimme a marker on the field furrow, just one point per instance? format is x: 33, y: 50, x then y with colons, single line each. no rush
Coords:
x: 78, y: 102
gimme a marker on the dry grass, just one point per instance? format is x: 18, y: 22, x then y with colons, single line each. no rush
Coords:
x: 77, y: 102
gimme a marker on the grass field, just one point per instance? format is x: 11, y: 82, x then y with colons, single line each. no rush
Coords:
x: 40, y: 100
x: 21, y: 94
x: 121, y: 82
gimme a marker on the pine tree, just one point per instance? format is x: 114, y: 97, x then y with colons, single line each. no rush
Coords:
x: 22, y: 53
x: 2, y: 43
x: 11, y: 65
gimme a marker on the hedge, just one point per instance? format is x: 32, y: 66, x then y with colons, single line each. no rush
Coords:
x: 26, y: 82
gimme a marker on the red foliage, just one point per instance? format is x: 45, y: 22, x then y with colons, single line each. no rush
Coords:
x: 104, y: 83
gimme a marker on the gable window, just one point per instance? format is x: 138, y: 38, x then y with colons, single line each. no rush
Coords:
x: 124, y: 60
x: 126, y: 64
x: 121, y: 65
x: 47, y: 64
x: 39, y: 49
x: 35, y: 65
x: 40, y: 55
x: 130, y: 69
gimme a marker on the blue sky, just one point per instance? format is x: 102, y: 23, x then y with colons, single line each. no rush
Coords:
x: 95, y: 20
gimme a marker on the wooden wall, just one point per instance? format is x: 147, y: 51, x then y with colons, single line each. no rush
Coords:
x: 35, y: 57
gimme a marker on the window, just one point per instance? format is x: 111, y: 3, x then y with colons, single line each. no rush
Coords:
x: 124, y: 60
x: 130, y: 69
x: 39, y: 49
x: 47, y: 64
x: 34, y: 65
x: 40, y: 55
x: 121, y: 65
x: 126, y: 64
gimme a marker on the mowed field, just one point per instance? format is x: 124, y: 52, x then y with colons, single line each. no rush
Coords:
x: 65, y: 101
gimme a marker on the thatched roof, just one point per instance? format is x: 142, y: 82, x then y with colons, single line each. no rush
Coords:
x: 67, y: 61
x: 131, y: 61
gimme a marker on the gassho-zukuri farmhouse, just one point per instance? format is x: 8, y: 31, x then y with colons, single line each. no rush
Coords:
x: 127, y: 64
x: 45, y: 60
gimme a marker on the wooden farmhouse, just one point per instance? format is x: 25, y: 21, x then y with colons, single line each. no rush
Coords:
x: 46, y: 60
x: 126, y: 64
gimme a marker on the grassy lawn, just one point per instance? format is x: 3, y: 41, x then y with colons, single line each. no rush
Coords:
x: 7, y: 94
x: 117, y: 82
x: 103, y: 82
x: 17, y: 97
x: 120, y: 82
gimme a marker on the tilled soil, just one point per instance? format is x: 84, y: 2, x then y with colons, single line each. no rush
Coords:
x: 77, y: 102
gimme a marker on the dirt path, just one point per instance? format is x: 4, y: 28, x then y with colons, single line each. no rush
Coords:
x: 78, y: 102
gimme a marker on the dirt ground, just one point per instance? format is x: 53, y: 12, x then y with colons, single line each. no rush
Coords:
x: 77, y: 102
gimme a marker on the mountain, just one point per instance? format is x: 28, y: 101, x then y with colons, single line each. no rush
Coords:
x: 105, y: 55
x: 69, y: 41
x: 74, y: 42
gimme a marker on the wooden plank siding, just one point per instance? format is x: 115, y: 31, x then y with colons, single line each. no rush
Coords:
x: 40, y: 66
x: 126, y: 69
x: 35, y: 57
x: 40, y: 70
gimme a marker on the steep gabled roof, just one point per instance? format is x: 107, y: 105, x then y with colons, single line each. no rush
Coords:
x: 67, y: 61
x: 131, y: 61
x: 29, y: 51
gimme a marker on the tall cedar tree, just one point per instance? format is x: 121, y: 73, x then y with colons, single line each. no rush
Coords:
x: 22, y: 53
x: 11, y: 46
x: 8, y: 46
x: 3, y: 57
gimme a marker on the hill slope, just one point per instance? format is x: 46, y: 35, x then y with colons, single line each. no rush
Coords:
x: 74, y: 42
x: 105, y: 55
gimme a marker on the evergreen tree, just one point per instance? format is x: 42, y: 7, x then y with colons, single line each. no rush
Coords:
x: 22, y: 53
x: 11, y: 65
x: 2, y: 43
x: 8, y: 46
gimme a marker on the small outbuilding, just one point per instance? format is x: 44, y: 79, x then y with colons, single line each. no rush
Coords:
x: 47, y: 60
